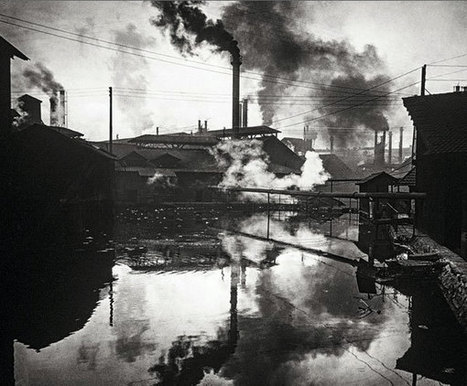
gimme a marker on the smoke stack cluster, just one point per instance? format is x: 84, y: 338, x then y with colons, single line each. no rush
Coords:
x: 41, y: 77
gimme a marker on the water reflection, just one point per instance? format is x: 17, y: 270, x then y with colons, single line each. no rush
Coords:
x: 219, y: 308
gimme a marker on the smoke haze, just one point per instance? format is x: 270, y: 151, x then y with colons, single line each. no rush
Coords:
x: 280, y: 48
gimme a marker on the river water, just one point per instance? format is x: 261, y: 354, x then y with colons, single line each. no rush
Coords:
x: 202, y: 305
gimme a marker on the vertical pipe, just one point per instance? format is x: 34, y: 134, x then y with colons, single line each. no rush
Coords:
x: 390, y: 149
x: 205, y: 126
x: 157, y: 130
x: 240, y: 111
x: 245, y: 112
x: 331, y: 140
x: 401, y: 135
x: 110, y: 120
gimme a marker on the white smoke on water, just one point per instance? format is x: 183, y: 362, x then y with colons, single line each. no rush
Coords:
x: 247, y: 164
x: 238, y: 246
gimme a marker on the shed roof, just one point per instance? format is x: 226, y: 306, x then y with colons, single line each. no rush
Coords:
x: 374, y: 176
x: 243, y: 131
x: 66, y: 131
x: 36, y: 127
x: 204, y: 140
x: 336, y: 167
x: 6, y: 46
x: 441, y: 121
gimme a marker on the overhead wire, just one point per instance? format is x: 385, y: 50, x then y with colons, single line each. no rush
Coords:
x: 264, y: 77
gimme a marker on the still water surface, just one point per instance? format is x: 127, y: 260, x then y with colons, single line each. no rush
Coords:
x: 223, y: 309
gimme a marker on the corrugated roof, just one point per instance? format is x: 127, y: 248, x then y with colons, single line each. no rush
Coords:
x: 12, y: 50
x: 441, y: 121
x: 204, y: 140
x: 243, y: 131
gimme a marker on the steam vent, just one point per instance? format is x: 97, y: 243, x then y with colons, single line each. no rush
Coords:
x: 235, y: 193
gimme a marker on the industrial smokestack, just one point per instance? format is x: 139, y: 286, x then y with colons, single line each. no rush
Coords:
x: 331, y: 143
x: 390, y: 149
x: 200, y: 129
x: 53, y: 110
x: 157, y: 130
x: 245, y: 112
x: 401, y: 135
x: 62, y: 119
x: 236, y: 62
x: 205, y: 126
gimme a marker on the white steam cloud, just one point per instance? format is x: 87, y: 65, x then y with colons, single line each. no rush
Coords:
x: 247, y: 166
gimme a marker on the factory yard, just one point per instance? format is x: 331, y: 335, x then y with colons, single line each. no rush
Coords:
x: 188, y: 303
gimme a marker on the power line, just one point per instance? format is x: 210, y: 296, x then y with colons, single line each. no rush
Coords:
x: 80, y: 36
x: 342, y: 110
x: 371, y: 88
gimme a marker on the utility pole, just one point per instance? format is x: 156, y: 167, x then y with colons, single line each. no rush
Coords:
x: 110, y: 119
x: 422, y: 90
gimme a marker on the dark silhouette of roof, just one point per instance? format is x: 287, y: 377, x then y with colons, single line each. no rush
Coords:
x: 409, y: 179
x: 336, y: 167
x: 27, y: 97
x: 204, y: 140
x: 441, y: 121
x: 243, y: 131
x: 5, y: 46
x: 374, y: 176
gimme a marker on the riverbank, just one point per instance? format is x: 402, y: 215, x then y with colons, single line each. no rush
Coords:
x: 453, y: 277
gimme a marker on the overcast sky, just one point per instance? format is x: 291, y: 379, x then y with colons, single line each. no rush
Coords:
x: 163, y: 87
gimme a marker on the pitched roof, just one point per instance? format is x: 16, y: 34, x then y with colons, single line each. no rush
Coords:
x: 11, y: 50
x: 409, y: 179
x: 189, y: 158
x: 373, y: 176
x: 36, y: 127
x: 441, y: 121
x: 66, y: 131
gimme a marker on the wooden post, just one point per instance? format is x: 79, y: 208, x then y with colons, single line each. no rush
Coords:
x: 110, y: 120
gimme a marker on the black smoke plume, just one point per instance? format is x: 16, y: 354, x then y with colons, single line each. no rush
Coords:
x: 272, y: 42
x: 41, y: 77
x: 186, y: 18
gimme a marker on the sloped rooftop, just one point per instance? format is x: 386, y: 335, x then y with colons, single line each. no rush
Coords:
x: 441, y: 121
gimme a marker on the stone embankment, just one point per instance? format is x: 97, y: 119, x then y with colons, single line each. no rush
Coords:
x: 453, y: 277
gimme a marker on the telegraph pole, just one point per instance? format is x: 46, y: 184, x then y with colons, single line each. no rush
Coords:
x: 422, y: 90
x: 110, y: 119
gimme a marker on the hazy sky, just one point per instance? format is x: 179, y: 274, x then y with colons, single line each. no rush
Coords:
x: 161, y: 87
